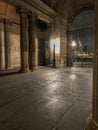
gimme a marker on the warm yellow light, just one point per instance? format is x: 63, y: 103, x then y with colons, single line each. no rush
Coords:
x: 73, y: 43
x: 56, y: 42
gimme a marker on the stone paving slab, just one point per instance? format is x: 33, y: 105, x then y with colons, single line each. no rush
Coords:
x: 46, y: 99
x: 74, y: 119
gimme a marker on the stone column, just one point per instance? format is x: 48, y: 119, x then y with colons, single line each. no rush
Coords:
x: 31, y: 18
x: 36, y: 53
x: 1, y: 47
x: 69, y: 48
x: 93, y: 120
x: 7, y: 45
x: 23, y: 39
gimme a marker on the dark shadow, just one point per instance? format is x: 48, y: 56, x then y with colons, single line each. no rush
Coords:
x: 9, y: 72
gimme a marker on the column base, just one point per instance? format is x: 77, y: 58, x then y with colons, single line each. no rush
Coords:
x: 9, y: 68
x: 24, y: 70
x: 53, y: 66
x: 2, y: 69
x: 31, y: 68
x: 92, y: 125
x: 36, y: 68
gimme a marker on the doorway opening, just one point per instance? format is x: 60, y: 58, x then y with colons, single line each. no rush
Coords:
x: 43, y: 52
x: 82, y: 43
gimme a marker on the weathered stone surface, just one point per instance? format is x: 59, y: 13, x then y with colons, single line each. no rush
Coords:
x: 46, y: 99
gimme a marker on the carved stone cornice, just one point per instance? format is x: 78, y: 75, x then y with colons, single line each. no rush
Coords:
x: 43, y: 11
x: 40, y: 6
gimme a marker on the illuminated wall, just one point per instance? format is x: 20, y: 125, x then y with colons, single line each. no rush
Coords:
x: 56, y: 42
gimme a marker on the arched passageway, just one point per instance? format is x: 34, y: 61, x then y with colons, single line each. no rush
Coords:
x: 16, y: 24
x: 81, y: 39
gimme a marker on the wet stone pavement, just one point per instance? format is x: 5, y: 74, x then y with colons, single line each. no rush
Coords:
x: 46, y: 99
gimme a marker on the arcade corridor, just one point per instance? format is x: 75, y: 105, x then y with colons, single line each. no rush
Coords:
x: 44, y: 40
x: 47, y: 99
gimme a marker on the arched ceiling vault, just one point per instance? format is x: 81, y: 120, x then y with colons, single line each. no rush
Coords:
x: 68, y: 9
x: 80, y: 9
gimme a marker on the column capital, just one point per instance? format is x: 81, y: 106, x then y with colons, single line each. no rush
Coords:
x: 22, y: 11
x: 32, y: 15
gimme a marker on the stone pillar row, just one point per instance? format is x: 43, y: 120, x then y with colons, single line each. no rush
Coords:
x: 27, y: 50
x: 6, y: 48
x: 27, y: 19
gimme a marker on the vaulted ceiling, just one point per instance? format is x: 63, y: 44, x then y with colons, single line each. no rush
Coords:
x: 69, y: 8
x: 55, y: 4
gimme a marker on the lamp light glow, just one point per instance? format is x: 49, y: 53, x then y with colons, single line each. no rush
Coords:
x: 73, y: 43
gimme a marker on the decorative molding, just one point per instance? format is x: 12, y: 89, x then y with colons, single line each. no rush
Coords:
x: 39, y: 5
x: 43, y: 11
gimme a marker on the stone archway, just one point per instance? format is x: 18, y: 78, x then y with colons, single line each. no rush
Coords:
x: 78, y: 11
x: 70, y: 21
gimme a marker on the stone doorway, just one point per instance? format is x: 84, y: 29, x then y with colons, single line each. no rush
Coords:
x: 43, y: 52
x: 81, y: 39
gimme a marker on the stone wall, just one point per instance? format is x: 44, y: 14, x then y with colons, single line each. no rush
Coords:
x: 14, y: 41
x: 59, y: 35
x: 8, y: 14
x: 63, y: 43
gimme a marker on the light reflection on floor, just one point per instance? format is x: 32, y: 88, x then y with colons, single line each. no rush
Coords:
x: 46, y: 99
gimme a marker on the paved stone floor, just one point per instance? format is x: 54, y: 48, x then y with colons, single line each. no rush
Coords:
x: 46, y: 99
